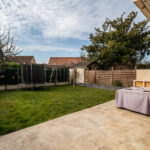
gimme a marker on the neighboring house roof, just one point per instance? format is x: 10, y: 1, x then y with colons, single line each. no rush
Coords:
x: 47, y: 66
x: 22, y: 59
x: 67, y: 61
x: 144, y: 6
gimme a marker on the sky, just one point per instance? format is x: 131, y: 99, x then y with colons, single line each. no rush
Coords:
x: 58, y: 28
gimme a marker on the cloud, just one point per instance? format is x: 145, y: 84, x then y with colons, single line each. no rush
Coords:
x: 54, y: 18
x: 46, y: 25
x: 47, y: 48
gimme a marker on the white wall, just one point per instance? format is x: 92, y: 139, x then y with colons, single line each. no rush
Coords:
x: 143, y: 74
x: 79, y: 75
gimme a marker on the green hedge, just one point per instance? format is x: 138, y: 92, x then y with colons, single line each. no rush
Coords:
x: 11, y: 65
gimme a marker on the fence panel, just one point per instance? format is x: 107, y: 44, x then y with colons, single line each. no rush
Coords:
x: 12, y: 77
x: 33, y: 74
x: 107, y: 77
x: 38, y: 75
x: 26, y: 74
x: 48, y: 73
x: 66, y: 74
x: 92, y: 77
x: 2, y: 77
x: 86, y: 76
x: 125, y: 77
x: 104, y: 77
x: 59, y: 74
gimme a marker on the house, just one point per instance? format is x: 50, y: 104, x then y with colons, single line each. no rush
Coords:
x: 144, y: 6
x: 66, y: 61
x: 22, y: 59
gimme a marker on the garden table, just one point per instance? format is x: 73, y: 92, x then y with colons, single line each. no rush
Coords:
x: 135, y: 99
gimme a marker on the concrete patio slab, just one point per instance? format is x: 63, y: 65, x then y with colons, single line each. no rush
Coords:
x: 103, y: 127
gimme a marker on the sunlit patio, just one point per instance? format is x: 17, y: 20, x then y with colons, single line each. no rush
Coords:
x: 103, y: 127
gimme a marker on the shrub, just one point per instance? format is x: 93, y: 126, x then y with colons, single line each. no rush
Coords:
x: 117, y: 83
x: 11, y: 65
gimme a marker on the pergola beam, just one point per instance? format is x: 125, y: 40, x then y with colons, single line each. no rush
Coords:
x: 144, y: 6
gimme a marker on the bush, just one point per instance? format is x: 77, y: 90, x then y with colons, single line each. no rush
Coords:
x: 117, y: 83
x: 11, y: 65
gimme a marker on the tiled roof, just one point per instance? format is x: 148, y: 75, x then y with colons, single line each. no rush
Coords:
x: 21, y: 59
x: 47, y: 66
x: 68, y: 61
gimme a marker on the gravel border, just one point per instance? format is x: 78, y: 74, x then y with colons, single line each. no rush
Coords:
x: 99, y: 86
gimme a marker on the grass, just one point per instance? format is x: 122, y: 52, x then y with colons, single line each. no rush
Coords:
x: 24, y: 108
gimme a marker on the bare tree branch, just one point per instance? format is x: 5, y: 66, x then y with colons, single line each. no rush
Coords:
x: 7, y: 46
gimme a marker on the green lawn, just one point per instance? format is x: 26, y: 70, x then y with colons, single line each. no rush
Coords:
x: 24, y: 108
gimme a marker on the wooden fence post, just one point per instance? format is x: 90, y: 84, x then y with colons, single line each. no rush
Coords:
x: 5, y: 78
x: 88, y: 76
x: 44, y: 73
x: 112, y: 73
x: 135, y: 72
x: 84, y: 75
x: 32, y: 76
x: 55, y: 75
x: 22, y: 76
x: 95, y: 76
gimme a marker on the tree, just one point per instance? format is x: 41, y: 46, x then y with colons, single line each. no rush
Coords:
x: 120, y: 42
x: 82, y: 55
x: 7, y: 46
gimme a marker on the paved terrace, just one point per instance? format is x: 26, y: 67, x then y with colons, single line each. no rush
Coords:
x: 103, y: 127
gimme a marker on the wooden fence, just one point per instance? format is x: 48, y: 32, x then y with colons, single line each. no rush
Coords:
x: 108, y: 77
